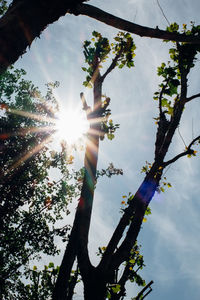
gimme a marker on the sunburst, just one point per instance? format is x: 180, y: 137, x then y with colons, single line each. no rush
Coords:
x: 71, y: 125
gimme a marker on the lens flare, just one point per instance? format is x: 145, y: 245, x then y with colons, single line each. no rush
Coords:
x: 71, y: 125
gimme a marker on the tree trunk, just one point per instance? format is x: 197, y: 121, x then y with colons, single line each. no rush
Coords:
x: 24, y: 21
x: 94, y: 286
x: 78, y: 241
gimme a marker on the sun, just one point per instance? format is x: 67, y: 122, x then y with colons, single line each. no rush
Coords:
x: 71, y: 125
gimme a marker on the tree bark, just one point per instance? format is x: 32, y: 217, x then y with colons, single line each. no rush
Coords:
x: 143, y: 31
x: 24, y: 21
x: 94, y: 286
x: 95, y: 279
x: 78, y: 241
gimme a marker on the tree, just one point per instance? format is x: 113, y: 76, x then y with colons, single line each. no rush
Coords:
x: 163, y: 123
x: 172, y: 99
x: 94, y: 278
x: 30, y: 203
x: 18, y: 27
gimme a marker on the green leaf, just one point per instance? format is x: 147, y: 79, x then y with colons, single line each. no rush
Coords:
x: 132, y: 261
x: 51, y: 265
x: 116, y: 288
x: 162, y: 189
x: 148, y: 211
x: 121, y: 66
x: 164, y: 102
x: 170, y: 111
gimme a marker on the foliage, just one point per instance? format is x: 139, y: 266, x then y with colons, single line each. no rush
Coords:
x: 3, y: 6
x: 109, y: 171
x: 96, y: 53
x: 98, y: 50
x: 31, y: 202
x: 41, y: 283
x: 171, y: 97
x: 122, y: 252
x: 129, y: 272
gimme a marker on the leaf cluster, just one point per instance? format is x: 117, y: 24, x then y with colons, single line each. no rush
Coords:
x: 184, y: 54
x: 39, y: 283
x: 109, y: 171
x: 3, y: 7
x: 129, y: 273
x: 31, y: 202
x: 97, y: 51
x: 107, y: 127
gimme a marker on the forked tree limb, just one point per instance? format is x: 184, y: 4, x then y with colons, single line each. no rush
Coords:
x: 145, y: 193
x: 112, y: 66
x: 78, y: 241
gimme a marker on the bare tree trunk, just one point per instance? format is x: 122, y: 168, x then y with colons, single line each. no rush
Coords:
x: 95, y: 285
x: 118, y: 251
x: 78, y: 241
x: 24, y: 21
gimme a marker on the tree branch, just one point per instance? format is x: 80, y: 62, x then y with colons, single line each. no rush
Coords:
x: 175, y: 117
x: 192, y: 97
x: 189, y: 151
x: 116, y: 237
x: 134, y: 213
x: 143, y: 290
x: 142, y: 198
x: 102, y: 16
x: 112, y: 66
x: 18, y: 27
x: 78, y: 241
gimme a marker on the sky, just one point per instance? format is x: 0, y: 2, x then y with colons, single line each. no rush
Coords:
x: 170, y: 238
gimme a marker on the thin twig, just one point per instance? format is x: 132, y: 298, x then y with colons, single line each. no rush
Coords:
x: 112, y: 65
x: 181, y: 137
x: 192, y: 97
x: 189, y: 151
x: 162, y: 12
x: 144, y: 289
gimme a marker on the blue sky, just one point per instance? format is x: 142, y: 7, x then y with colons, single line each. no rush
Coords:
x: 170, y: 238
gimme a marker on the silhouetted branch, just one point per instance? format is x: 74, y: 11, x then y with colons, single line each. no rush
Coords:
x: 188, y: 151
x: 109, y: 19
x: 112, y: 66
x: 162, y: 11
x: 143, y: 290
x: 192, y: 97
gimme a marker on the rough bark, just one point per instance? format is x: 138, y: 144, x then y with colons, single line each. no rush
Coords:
x: 26, y: 19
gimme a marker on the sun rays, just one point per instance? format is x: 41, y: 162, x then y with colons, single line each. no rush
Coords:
x: 71, y: 125
x: 67, y: 125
